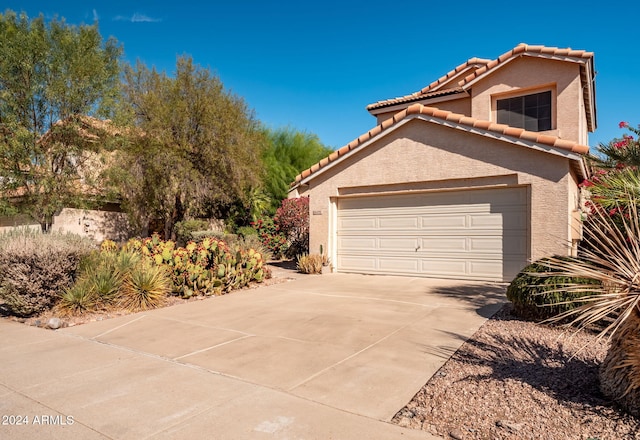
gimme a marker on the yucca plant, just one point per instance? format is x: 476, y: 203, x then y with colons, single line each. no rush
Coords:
x: 124, y: 261
x: 105, y: 284
x: 76, y: 300
x: 611, y: 257
x: 145, y: 287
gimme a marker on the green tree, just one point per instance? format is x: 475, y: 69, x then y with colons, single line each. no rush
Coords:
x: 195, y: 150
x: 288, y: 153
x: 52, y: 76
x: 615, y: 175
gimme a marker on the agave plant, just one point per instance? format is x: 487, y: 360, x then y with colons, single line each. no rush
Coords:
x: 146, y: 287
x: 76, y: 300
x: 611, y: 257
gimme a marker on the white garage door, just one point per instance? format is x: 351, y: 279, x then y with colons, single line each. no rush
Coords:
x: 475, y: 234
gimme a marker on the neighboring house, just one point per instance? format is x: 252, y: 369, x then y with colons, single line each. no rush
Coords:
x: 107, y: 222
x: 471, y: 177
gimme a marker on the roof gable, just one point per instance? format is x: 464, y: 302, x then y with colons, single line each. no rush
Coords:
x: 476, y: 69
x: 503, y: 132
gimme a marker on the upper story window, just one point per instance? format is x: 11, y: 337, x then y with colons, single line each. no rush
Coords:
x: 531, y: 112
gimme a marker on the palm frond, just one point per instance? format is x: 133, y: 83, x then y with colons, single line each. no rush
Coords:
x: 611, y: 258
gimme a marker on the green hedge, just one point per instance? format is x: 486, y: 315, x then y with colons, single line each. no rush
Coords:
x: 539, y: 296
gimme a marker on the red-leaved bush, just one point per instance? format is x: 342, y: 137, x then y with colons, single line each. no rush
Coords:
x: 292, y: 218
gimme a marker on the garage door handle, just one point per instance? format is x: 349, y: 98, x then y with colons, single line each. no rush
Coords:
x: 418, y: 248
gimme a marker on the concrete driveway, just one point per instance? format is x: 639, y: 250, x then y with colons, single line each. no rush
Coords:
x: 319, y: 357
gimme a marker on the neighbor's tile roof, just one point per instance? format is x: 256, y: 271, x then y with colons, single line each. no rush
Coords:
x: 479, y: 67
x: 443, y: 115
x: 415, y: 97
x: 430, y: 90
x: 86, y: 127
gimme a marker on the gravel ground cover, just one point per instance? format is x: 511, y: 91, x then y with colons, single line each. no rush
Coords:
x: 520, y: 380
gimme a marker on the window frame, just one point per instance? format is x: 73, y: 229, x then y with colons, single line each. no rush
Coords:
x: 523, y: 93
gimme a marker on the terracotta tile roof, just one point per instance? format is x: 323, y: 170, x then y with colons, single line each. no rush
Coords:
x: 429, y: 91
x: 472, y: 63
x: 479, y: 67
x: 415, y: 97
x: 443, y: 115
x: 525, y: 49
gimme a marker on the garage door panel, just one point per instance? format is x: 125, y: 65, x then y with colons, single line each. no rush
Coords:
x: 357, y: 224
x: 398, y: 244
x: 443, y: 243
x: 397, y: 222
x: 491, y: 221
x: 398, y: 265
x: 493, y: 245
x: 443, y: 267
x: 437, y: 222
x: 357, y: 263
x: 486, y: 269
x: 357, y: 243
x: 514, y: 220
x: 513, y: 245
x: 514, y: 265
x: 472, y: 234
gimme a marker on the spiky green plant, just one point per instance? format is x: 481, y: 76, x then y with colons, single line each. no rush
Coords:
x: 124, y: 261
x: 105, y: 284
x: 611, y: 257
x: 616, y: 188
x: 76, y: 300
x: 146, y: 287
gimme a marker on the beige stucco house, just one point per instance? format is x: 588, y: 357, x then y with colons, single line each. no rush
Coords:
x: 471, y: 177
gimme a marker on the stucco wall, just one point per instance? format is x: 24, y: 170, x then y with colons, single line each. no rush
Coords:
x: 423, y: 155
x: 95, y: 224
x: 529, y: 73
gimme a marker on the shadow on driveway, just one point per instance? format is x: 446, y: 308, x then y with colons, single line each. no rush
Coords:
x: 484, y: 298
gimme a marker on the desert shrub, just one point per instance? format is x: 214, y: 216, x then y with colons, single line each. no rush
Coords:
x: 310, y: 264
x: 246, y: 231
x: 292, y: 220
x: 35, y: 268
x: 145, y: 287
x: 538, y: 294
x: 271, y: 237
x: 185, y: 229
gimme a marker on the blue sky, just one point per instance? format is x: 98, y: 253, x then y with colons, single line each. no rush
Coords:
x: 314, y: 66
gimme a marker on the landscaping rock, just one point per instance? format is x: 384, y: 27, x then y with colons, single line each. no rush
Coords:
x: 518, y: 380
x: 510, y: 426
x: 456, y: 434
x: 54, y: 323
